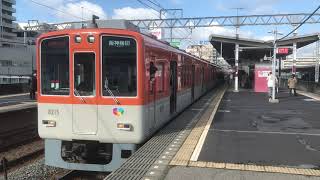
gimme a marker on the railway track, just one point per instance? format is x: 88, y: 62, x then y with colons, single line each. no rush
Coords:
x: 82, y: 175
x: 17, y: 137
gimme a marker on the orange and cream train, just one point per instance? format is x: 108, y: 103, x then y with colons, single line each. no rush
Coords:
x: 103, y: 91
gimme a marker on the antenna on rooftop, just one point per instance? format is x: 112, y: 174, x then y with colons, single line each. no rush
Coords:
x: 93, y: 23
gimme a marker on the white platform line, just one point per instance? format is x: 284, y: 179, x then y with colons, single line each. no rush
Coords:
x: 13, y: 95
x: 6, y: 102
x: 196, y: 152
x: 316, y: 97
x: 265, y: 132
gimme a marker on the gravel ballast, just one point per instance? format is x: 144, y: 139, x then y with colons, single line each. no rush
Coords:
x: 36, y: 170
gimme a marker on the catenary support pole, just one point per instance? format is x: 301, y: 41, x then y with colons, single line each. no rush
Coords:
x: 294, y: 60
x: 274, y: 70
x: 236, y: 82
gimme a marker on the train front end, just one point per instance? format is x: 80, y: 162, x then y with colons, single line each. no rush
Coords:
x: 90, y: 97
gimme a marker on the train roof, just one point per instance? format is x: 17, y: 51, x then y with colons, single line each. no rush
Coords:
x: 123, y: 25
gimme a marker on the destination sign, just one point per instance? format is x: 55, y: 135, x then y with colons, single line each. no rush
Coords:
x: 119, y: 43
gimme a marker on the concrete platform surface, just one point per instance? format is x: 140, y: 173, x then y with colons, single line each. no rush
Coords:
x: 194, y: 173
x: 247, y: 129
x: 16, y: 102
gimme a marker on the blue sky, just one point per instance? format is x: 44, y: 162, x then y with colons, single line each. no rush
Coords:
x: 130, y: 9
x: 191, y: 7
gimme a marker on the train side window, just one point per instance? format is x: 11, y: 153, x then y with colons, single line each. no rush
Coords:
x: 54, y: 62
x: 160, y: 77
x: 153, y: 69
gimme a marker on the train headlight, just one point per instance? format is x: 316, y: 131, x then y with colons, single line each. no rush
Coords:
x: 77, y: 39
x: 124, y: 126
x: 91, y: 39
x: 49, y: 123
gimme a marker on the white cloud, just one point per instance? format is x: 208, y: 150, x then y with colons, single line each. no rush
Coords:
x: 204, y: 33
x: 307, y: 51
x: 72, y: 9
x: 81, y: 9
x: 250, y: 6
x: 266, y: 38
x: 134, y: 13
x: 176, y: 2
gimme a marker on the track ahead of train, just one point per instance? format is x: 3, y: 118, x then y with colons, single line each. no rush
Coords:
x: 82, y: 175
x: 18, y: 128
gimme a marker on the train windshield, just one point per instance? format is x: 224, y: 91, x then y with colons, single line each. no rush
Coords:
x: 55, y: 66
x: 119, y: 66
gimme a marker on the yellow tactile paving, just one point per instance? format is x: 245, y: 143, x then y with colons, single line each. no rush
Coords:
x: 197, y: 164
x: 253, y: 168
x: 235, y: 166
x: 245, y: 167
x: 216, y: 165
x: 182, y: 158
x: 185, y: 152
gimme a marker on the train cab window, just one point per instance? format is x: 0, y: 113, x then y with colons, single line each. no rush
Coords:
x: 119, y: 66
x: 84, y: 74
x: 54, y: 62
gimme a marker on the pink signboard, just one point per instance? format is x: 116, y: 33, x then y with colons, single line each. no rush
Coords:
x: 260, y: 78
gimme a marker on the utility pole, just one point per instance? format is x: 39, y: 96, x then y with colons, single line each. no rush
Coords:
x: 236, y: 81
x: 316, y: 73
x: 294, y: 60
x: 237, y: 21
x: 1, y: 22
x: 82, y: 24
x: 236, y: 78
x: 275, y: 34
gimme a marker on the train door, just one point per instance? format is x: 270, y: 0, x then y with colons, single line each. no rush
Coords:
x: 152, y: 94
x: 173, y: 86
x: 192, y: 81
x: 85, y: 109
x: 202, y: 79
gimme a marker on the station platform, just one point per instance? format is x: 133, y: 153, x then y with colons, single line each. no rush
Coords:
x: 16, y: 102
x: 227, y: 135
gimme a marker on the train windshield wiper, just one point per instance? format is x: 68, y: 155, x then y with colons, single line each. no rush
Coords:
x: 112, y: 95
x: 79, y: 95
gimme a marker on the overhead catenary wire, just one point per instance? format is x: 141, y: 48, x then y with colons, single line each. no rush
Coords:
x: 52, y: 8
x: 300, y: 24
x: 179, y: 31
x: 155, y: 3
x: 146, y: 5
x: 55, y: 9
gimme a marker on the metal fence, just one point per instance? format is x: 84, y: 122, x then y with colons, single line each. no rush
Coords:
x: 308, y: 86
x: 14, y: 88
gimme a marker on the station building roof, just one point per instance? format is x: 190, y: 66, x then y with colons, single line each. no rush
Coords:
x: 260, y: 48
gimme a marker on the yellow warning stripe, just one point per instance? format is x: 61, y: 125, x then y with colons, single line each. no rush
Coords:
x: 185, y: 152
x: 249, y: 167
x: 182, y: 158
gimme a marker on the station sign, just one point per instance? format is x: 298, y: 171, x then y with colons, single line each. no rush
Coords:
x: 175, y: 43
x: 157, y: 33
x: 282, y: 50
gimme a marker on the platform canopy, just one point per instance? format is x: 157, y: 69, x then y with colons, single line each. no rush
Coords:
x: 260, y: 49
